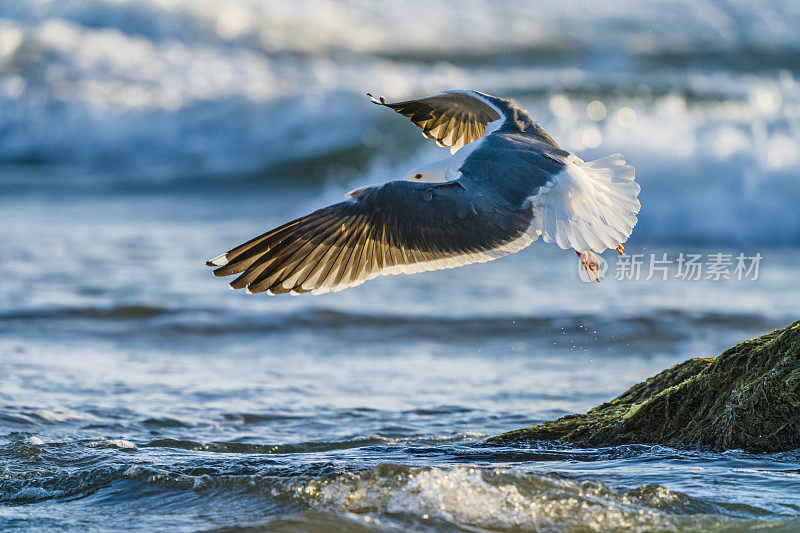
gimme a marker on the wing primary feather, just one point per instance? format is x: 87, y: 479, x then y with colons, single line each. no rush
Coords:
x: 269, y: 258
x: 320, y: 263
x: 335, y: 250
x: 258, y: 247
x: 259, y: 282
x: 356, y: 257
x: 232, y: 254
x: 349, y: 248
x: 300, y: 256
x: 313, y: 265
x: 447, y: 117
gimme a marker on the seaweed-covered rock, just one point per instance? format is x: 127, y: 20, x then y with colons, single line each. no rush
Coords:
x: 748, y: 398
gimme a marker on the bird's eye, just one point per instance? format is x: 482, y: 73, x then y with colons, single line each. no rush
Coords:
x: 418, y: 176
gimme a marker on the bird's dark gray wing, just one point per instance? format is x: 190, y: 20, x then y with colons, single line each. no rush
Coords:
x: 452, y: 118
x: 400, y: 227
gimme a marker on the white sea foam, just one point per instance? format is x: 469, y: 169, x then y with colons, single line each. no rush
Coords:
x: 492, y: 499
x: 120, y: 444
x: 54, y: 417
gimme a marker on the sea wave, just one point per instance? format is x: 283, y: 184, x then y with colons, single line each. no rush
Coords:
x: 668, y: 325
x: 393, y: 495
x: 353, y: 482
x: 240, y: 447
x: 500, y: 499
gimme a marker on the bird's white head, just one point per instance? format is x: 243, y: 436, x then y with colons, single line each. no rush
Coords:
x: 434, y: 173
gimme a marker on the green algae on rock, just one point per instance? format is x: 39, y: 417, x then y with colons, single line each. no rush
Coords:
x: 747, y: 398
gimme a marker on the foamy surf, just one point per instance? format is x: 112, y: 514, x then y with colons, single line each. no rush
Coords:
x: 492, y: 499
x: 391, y: 497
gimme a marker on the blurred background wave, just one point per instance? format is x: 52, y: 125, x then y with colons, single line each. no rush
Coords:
x: 702, y: 96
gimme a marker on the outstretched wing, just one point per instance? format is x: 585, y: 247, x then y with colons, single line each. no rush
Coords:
x: 400, y: 227
x: 452, y: 118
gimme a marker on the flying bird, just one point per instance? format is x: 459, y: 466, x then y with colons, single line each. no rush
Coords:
x: 505, y: 184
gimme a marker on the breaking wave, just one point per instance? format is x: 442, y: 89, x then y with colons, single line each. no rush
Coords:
x: 500, y: 499
x: 391, y: 496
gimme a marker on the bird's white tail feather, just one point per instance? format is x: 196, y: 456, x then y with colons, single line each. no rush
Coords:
x: 588, y: 205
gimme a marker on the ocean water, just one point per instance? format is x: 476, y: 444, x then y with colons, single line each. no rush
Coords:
x: 140, y: 138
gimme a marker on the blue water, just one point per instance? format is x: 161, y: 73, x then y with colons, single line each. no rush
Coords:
x: 138, y: 139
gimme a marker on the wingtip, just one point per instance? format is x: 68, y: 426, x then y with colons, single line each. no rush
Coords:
x: 379, y: 100
x: 220, y: 260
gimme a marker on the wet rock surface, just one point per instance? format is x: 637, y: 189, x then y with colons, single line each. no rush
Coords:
x: 746, y: 398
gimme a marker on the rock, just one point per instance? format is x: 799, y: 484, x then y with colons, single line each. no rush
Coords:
x: 747, y: 398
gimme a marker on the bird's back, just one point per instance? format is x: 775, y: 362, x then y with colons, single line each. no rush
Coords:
x: 513, y: 163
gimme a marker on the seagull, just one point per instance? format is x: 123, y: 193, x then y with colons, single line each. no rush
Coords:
x: 505, y: 184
